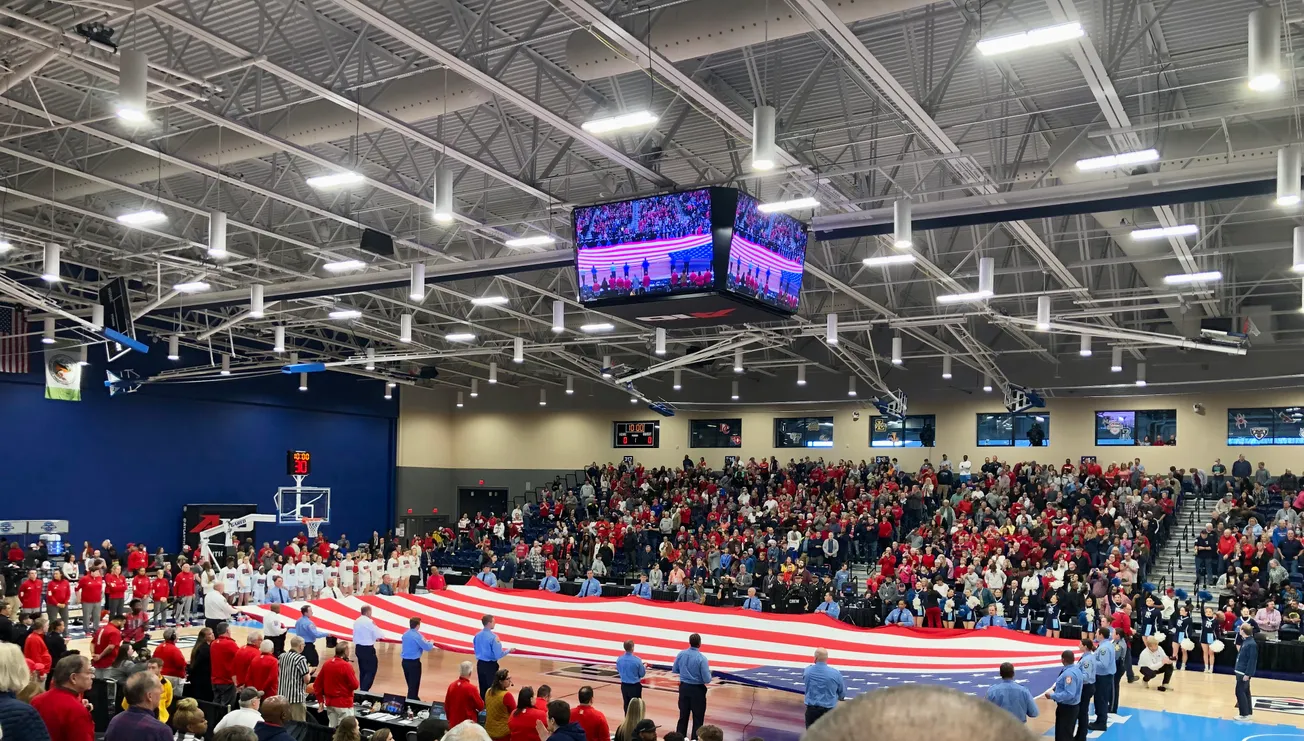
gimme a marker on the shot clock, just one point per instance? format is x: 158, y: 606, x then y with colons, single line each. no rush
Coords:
x: 636, y: 435
x: 298, y: 463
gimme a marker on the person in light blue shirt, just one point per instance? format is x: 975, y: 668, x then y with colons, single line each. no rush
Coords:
x: 901, y: 616
x: 694, y: 675
x: 631, y: 670
x: 841, y: 578
x: 365, y: 636
x: 590, y: 587
x: 1066, y: 694
x: 643, y: 590
x: 307, y: 630
x: 752, y: 602
x: 486, y: 576
x: 829, y: 607
x: 1086, y: 665
x: 1106, y: 665
x: 991, y: 619
x: 414, y: 646
x: 824, y: 687
x: 1011, y: 696
x: 278, y: 594
x: 488, y: 650
x: 550, y: 584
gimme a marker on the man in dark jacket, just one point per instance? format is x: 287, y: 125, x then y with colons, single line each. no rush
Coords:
x: 559, y: 726
x: 1247, y: 662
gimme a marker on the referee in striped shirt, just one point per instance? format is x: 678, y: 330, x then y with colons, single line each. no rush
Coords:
x: 293, y: 677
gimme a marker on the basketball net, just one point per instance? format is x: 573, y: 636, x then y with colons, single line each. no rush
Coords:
x: 313, y: 524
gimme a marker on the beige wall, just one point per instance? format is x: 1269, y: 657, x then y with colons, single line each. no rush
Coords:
x: 434, y: 434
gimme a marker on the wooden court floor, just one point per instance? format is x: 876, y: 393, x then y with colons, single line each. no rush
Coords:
x: 747, y: 712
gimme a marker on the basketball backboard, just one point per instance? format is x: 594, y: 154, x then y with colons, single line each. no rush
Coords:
x: 294, y: 503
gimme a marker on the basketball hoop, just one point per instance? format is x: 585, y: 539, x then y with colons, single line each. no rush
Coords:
x: 313, y: 524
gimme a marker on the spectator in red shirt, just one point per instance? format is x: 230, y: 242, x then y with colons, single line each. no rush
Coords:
x: 29, y: 593
x: 244, y: 657
x: 104, y: 646
x: 58, y: 593
x: 91, y: 589
x: 174, y: 664
x: 221, y: 655
x: 137, y: 559
x: 65, y: 713
x: 136, y: 623
x: 463, y: 700
x: 115, y: 589
x: 336, y: 682
x: 183, y: 590
x: 159, y: 589
x: 35, y: 650
x: 140, y: 584
x: 590, y: 718
x: 263, y: 671
x: 523, y: 724
x: 436, y: 582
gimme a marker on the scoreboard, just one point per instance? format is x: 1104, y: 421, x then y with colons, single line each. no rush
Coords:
x: 298, y: 462
x: 636, y: 435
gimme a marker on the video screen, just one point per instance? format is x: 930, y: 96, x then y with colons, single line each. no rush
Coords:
x: 645, y: 247
x: 1116, y: 428
x: 766, y: 255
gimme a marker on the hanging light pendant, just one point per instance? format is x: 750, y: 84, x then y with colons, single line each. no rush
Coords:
x: 763, y: 146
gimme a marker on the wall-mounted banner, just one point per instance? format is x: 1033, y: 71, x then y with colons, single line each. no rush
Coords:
x: 63, y: 372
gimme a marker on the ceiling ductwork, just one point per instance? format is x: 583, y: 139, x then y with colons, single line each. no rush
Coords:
x: 410, y: 100
x: 703, y: 27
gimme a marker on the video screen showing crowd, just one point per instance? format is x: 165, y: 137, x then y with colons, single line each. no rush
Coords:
x: 767, y: 255
x: 645, y: 247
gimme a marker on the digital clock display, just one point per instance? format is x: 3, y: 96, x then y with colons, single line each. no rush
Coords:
x: 636, y: 435
x: 298, y: 462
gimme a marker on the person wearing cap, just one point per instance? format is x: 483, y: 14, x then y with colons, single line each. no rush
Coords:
x: 247, y: 716
x: 646, y: 730
x: 631, y: 670
x: 824, y: 687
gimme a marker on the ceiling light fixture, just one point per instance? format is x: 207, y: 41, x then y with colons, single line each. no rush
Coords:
x: 389, y: 394
x: 133, y: 86
x: 493, y: 372
x: 1297, y: 250
x: 47, y: 334
x: 217, y: 234
x: 597, y: 327
x: 518, y: 350
x: 303, y: 381
x: 1084, y: 346
x: 1264, y: 71
x: 831, y: 329
x: 1116, y: 359
x: 174, y: 348
x: 417, y: 287
x: 194, y: 286
x: 1140, y: 374
x: 570, y: 385
x: 1043, y: 313
x: 543, y: 397
x: 794, y: 204
x: 475, y: 387
x: 489, y: 300
x: 961, y: 298
x: 405, y: 328
x: 5, y: 245
x: 1288, y: 175
x: 801, y: 374
x: 738, y: 360
x: 1163, y: 232
x: 881, y: 260
x: 763, y: 146
x: 83, y: 356
x: 946, y: 367
x: 97, y: 317
x: 345, y: 314
x: 459, y: 336
x: 902, y: 228
x: 987, y: 276
x: 605, y: 370
x: 1182, y: 279
x: 541, y: 240
x: 1122, y: 159
x: 256, y: 303
x: 460, y: 401
x: 659, y: 341
x: 896, y: 351
x: 1031, y: 39
x: 50, y: 270
x: 371, y: 359
x: 344, y: 266
x: 987, y: 384
x: 226, y: 365
x: 443, y: 196
x: 334, y: 180
x: 851, y: 385
x: 610, y: 124
x: 734, y: 394
x: 146, y: 217
x: 278, y: 341
x: 678, y: 382
x: 558, y: 316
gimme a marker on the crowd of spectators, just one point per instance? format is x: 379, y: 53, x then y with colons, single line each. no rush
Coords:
x: 659, y: 217
x: 776, y: 232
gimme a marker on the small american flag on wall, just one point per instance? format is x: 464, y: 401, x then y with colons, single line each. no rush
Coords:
x: 13, y: 340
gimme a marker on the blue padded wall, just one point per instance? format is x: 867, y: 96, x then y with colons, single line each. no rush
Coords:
x: 122, y: 468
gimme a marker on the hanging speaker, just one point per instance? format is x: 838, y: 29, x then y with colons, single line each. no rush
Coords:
x: 377, y: 243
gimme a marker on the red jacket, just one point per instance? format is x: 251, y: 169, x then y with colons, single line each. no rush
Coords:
x: 263, y: 674
x: 140, y: 587
x: 436, y: 582
x: 116, y: 586
x: 66, y: 718
x: 58, y: 591
x: 159, y: 588
x: 91, y: 588
x: 184, y: 586
x: 222, y: 654
x: 108, y: 636
x: 240, y: 663
x: 174, y: 664
x: 137, y: 560
x: 29, y: 593
x: 462, y: 702
x: 336, y: 682
x: 592, y: 721
x: 34, y: 650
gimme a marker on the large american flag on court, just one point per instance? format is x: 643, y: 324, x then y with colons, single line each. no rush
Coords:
x: 13, y: 340
x: 757, y: 648
x: 634, y: 253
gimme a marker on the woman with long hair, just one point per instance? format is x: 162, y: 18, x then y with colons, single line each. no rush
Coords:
x: 347, y: 730
x: 636, y: 711
x: 523, y: 725
x: 498, y: 706
x: 199, y: 684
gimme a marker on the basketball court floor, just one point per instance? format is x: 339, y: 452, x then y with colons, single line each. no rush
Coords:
x: 1198, y: 707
